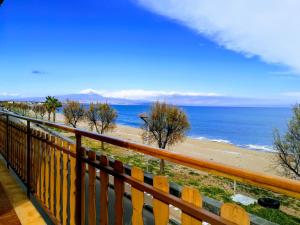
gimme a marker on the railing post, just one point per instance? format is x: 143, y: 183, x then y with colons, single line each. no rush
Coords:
x: 28, y: 157
x: 79, y: 211
x: 7, y: 141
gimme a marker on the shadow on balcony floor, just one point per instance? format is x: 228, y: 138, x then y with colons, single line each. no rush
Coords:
x: 23, y: 207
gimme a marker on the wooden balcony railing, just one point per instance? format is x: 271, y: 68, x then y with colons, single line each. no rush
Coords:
x: 63, y: 178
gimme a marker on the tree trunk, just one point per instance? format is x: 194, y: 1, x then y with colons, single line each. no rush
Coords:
x: 54, y: 116
x: 102, y: 143
x: 49, y: 116
x: 162, y: 166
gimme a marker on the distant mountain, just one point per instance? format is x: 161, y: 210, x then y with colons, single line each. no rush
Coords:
x: 176, y: 99
x: 83, y: 98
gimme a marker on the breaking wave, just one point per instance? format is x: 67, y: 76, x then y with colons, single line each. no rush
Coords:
x: 264, y: 148
x: 214, y: 140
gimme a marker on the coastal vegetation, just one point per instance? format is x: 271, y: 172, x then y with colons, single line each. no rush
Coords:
x: 52, y: 104
x: 288, y: 146
x: 39, y: 110
x: 21, y: 108
x: 35, y: 110
x: 102, y: 117
x: 166, y: 125
x: 73, y: 113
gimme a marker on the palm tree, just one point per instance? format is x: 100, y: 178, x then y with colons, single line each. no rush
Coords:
x: 52, y: 104
x: 48, y: 109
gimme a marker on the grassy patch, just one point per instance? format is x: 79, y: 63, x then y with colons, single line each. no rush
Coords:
x: 216, y: 193
x: 273, y: 215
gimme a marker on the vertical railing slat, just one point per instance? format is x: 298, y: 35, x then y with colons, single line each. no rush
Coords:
x: 58, y: 156
x: 11, y: 150
x: 83, y: 190
x: 137, y: 198
x: 17, y: 152
x: 14, y: 149
x: 21, y: 152
x: 72, y: 185
x: 39, y: 162
x: 161, y: 209
x: 10, y: 144
x: 52, y: 177
x: 92, y: 190
x: 28, y: 134
x: 7, y: 140
x: 36, y: 172
x: 38, y: 166
x: 47, y: 151
x: 23, y: 147
x: 80, y: 182
x: 190, y: 195
x: 119, y: 193
x: 36, y: 162
x: 13, y: 157
x: 235, y: 214
x: 43, y: 163
x: 65, y: 159
x: 104, y: 192
x: 33, y: 160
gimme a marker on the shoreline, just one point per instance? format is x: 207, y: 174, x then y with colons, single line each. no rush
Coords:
x: 252, y: 147
x: 226, y: 153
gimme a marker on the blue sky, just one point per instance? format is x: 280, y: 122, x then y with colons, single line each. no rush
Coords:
x: 63, y: 46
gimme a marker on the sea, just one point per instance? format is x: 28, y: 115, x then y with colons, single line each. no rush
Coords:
x: 248, y: 127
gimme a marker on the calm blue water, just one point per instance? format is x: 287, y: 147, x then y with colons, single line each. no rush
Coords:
x: 243, y: 126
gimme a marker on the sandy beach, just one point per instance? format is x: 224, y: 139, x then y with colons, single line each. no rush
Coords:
x: 204, y: 149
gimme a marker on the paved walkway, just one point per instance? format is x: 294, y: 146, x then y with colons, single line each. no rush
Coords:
x: 24, y: 209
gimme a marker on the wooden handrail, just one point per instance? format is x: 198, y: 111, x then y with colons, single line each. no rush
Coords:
x: 275, y: 183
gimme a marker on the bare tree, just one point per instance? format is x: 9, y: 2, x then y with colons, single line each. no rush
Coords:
x: 166, y: 125
x: 39, y: 110
x: 288, y: 146
x: 73, y: 112
x: 42, y: 111
x: 102, y: 117
x: 35, y: 109
x: 3, y: 104
x: 24, y: 108
x: 7, y: 106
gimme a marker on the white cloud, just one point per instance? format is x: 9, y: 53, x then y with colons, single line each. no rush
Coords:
x: 90, y: 91
x: 5, y: 94
x: 283, y: 72
x: 139, y: 94
x: 269, y: 29
x: 294, y: 94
